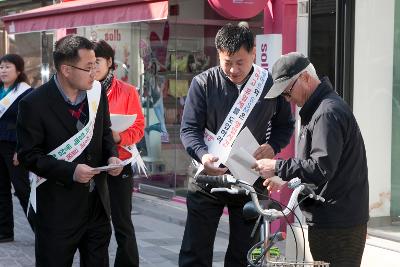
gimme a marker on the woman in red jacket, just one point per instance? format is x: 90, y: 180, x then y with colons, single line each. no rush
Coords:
x: 122, y: 99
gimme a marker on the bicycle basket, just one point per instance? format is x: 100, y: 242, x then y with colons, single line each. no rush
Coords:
x: 297, y: 264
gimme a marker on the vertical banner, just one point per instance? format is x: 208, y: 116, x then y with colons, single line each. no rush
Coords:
x: 268, y: 49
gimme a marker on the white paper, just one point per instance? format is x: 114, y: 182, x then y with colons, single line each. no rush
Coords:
x: 108, y: 167
x: 121, y: 122
x: 240, y: 160
x: 244, y: 158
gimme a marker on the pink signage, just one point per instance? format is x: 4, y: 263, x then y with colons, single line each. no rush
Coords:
x: 238, y: 9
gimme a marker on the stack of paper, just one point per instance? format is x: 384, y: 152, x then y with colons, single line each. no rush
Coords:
x: 240, y: 159
x: 121, y: 122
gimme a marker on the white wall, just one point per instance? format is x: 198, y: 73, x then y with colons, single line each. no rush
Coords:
x: 302, y: 27
x: 373, y: 84
x: 301, y: 46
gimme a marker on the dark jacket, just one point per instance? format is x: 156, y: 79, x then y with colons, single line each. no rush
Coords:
x: 8, y: 129
x: 210, y: 98
x: 43, y: 124
x: 331, y: 149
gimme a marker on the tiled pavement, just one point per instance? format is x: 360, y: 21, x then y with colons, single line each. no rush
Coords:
x: 159, y: 226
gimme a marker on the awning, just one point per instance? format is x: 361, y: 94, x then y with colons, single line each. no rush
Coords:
x: 240, y: 9
x: 85, y: 13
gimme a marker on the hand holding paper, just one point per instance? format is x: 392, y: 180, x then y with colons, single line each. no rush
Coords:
x: 240, y: 160
x: 265, y: 151
x: 83, y: 173
x: 117, y: 164
x: 209, y: 161
x: 108, y: 167
x: 265, y: 167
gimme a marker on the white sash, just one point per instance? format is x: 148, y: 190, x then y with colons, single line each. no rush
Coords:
x: 135, y: 158
x: 220, y: 144
x: 9, y: 99
x: 74, y: 146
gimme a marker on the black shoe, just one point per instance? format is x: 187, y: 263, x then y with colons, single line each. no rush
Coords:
x: 6, y: 238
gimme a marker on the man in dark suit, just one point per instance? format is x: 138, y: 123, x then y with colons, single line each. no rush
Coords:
x: 63, y: 133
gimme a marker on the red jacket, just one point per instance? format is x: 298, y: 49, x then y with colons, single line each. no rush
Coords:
x: 124, y: 99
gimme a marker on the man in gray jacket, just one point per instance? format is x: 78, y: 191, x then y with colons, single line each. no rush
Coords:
x: 331, y: 155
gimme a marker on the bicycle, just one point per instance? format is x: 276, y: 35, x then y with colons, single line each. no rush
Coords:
x: 227, y: 183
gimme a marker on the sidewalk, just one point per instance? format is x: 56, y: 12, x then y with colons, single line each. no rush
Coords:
x: 159, y: 226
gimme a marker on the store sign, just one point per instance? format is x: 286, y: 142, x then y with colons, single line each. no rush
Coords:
x: 268, y: 49
x: 114, y: 35
x: 238, y: 9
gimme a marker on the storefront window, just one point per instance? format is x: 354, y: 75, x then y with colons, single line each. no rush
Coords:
x: 2, y: 41
x: 160, y: 58
x: 28, y: 46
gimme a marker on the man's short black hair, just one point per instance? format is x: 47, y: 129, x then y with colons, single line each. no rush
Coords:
x: 230, y: 38
x: 104, y: 50
x: 66, y: 49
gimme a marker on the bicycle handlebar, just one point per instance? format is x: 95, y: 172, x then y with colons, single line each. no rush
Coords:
x: 224, y: 180
x: 231, y: 185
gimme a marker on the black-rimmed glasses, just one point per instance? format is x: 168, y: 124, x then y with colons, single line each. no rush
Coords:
x: 287, y: 93
x: 90, y: 70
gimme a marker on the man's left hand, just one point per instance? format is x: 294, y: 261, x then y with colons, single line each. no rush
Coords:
x: 116, y: 171
x: 265, y: 151
x: 274, y: 183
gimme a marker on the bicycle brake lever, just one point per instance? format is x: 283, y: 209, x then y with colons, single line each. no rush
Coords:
x: 317, y: 197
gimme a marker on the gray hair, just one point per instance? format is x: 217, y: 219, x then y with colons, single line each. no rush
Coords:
x: 310, y: 70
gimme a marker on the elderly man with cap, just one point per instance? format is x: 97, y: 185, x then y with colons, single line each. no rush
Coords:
x: 331, y: 155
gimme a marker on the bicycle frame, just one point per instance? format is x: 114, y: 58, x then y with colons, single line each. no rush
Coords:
x: 268, y: 215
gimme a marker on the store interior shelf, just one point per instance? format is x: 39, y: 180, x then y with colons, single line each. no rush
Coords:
x: 179, y: 74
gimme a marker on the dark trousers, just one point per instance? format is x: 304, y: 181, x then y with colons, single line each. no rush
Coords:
x: 120, y: 188
x: 19, y: 177
x: 202, y: 221
x: 56, y: 247
x: 340, y: 247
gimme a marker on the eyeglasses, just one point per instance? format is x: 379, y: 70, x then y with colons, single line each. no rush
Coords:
x: 90, y: 70
x: 287, y: 93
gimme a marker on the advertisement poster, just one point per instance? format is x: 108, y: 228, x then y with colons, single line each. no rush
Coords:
x: 119, y: 37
